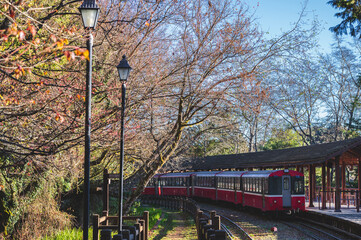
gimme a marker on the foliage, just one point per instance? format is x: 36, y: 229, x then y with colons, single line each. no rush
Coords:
x: 283, y: 139
x: 351, y: 15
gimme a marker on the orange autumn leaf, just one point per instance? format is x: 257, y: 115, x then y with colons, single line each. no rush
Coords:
x: 86, y: 54
x: 60, y: 45
x: 77, y: 52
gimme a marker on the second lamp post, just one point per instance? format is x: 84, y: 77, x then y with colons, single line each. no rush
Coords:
x: 123, y: 70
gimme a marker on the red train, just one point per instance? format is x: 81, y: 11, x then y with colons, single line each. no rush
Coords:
x: 269, y: 190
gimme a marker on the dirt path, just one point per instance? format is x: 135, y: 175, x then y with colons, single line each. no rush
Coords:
x: 178, y: 226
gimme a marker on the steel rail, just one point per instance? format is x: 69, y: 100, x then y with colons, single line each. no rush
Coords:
x: 229, y: 233
x: 304, y: 228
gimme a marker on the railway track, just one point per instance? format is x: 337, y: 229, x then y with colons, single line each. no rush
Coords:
x: 245, y: 225
x: 312, y: 232
x: 232, y: 229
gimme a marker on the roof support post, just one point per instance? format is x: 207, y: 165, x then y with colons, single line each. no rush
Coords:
x: 328, y: 177
x: 359, y: 180
x: 343, y: 183
x: 324, y: 185
x: 310, y: 186
x: 338, y: 183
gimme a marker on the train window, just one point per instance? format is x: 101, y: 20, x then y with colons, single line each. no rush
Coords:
x: 286, y: 183
x: 298, y: 187
x: 265, y: 185
x: 275, y: 185
x: 253, y: 184
x: 237, y: 183
x: 256, y: 188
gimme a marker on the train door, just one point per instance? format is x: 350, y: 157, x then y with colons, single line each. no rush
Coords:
x: 286, y: 190
x: 263, y: 193
x: 193, y: 182
x: 187, y: 182
x: 157, y: 187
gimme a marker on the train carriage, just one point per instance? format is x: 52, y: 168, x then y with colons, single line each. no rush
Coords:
x: 275, y: 190
x: 175, y: 184
x: 229, y: 186
x: 204, y: 184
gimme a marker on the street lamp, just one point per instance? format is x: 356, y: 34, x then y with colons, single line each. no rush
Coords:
x: 89, y: 12
x: 123, y: 71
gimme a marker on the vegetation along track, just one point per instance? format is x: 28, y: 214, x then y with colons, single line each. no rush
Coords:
x: 259, y: 226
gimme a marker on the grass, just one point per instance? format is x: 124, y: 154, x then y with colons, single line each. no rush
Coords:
x: 68, y: 234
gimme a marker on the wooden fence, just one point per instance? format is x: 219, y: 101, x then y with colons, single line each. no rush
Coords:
x: 136, y: 231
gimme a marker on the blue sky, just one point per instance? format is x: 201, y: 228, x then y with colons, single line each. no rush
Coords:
x: 275, y: 16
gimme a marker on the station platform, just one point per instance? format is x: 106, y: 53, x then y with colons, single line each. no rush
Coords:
x: 348, y: 220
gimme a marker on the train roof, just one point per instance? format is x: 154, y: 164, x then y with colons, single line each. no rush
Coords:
x: 177, y: 174
x: 270, y: 173
x: 230, y: 173
x: 206, y: 173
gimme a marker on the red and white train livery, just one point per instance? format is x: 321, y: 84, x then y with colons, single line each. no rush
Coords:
x: 269, y: 190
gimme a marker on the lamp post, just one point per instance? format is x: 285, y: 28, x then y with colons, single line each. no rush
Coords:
x: 89, y: 12
x: 123, y: 70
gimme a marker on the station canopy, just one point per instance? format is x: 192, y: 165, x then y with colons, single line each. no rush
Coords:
x: 348, y: 150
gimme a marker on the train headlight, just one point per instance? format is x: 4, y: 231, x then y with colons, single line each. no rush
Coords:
x: 299, y: 201
x: 274, y: 201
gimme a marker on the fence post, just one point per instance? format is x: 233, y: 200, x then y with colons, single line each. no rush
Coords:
x: 198, y: 226
x: 357, y: 200
x: 95, y: 226
x: 142, y: 234
x: 217, y: 223
x: 139, y: 236
x: 106, y: 234
x: 106, y: 190
x: 146, y: 223
x: 220, y: 235
x: 105, y: 214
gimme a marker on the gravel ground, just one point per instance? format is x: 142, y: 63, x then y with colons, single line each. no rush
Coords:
x: 257, y: 225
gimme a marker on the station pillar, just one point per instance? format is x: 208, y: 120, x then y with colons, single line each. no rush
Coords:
x: 328, y: 179
x: 323, y: 186
x: 310, y: 186
x: 343, y: 182
x: 359, y: 181
x: 338, y: 183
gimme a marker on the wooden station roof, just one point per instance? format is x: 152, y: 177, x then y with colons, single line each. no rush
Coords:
x: 348, y: 150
